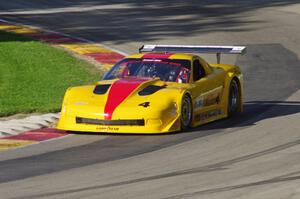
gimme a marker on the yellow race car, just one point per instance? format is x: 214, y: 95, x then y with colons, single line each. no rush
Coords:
x: 163, y: 88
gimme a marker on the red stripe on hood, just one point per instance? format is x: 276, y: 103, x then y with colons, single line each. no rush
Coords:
x: 157, y: 55
x: 118, y: 92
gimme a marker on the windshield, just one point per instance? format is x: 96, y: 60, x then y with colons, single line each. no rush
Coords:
x: 170, y: 70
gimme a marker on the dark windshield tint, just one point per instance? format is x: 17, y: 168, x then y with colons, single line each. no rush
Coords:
x: 170, y: 70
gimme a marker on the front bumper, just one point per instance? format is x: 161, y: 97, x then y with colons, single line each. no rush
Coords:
x: 141, y: 126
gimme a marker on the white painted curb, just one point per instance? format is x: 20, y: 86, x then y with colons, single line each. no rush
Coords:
x: 17, y: 126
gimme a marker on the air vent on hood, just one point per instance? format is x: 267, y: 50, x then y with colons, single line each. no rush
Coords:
x: 101, y: 89
x: 150, y: 90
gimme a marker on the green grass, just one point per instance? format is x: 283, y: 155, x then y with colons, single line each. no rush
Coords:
x: 34, y: 75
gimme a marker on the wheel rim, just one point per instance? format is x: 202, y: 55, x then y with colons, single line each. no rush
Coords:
x: 186, y: 113
x: 233, y: 98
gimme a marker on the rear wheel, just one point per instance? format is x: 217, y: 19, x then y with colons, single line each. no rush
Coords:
x: 234, y: 98
x: 186, y: 112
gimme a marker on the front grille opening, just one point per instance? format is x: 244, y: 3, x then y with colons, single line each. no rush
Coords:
x: 80, y: 120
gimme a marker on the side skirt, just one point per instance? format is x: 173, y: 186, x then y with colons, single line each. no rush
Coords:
x: 209, y: 116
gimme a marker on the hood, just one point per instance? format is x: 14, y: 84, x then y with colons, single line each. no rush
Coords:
x: 121, y: 89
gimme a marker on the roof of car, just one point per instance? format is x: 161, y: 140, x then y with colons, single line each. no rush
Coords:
x: 163, y: 56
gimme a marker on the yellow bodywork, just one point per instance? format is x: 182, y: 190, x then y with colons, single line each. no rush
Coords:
x: 209, y: 99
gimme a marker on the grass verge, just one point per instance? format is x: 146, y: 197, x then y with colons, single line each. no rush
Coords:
x: 34, y: 75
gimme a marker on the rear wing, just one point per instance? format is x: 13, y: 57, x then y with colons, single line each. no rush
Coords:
x: 218, y: 50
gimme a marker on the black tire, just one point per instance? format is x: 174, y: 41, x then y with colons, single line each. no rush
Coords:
x: 233, y: 98
x: 186, y: 112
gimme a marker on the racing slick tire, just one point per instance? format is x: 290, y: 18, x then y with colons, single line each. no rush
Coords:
x: 233, y: 98
x: 186, y: 112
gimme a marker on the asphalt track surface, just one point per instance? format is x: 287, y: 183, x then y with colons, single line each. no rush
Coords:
x: 253, y: 155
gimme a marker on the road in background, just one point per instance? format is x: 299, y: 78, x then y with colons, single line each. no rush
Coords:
x: 254, y: 155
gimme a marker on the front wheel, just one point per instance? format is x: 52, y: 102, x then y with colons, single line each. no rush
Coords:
x: 234, y: 98
x: 186, y: 112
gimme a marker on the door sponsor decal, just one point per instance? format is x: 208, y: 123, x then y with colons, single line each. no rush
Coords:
x: 207, y: 99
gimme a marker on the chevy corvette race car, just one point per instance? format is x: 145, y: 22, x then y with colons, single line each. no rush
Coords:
x: 163, y: 88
